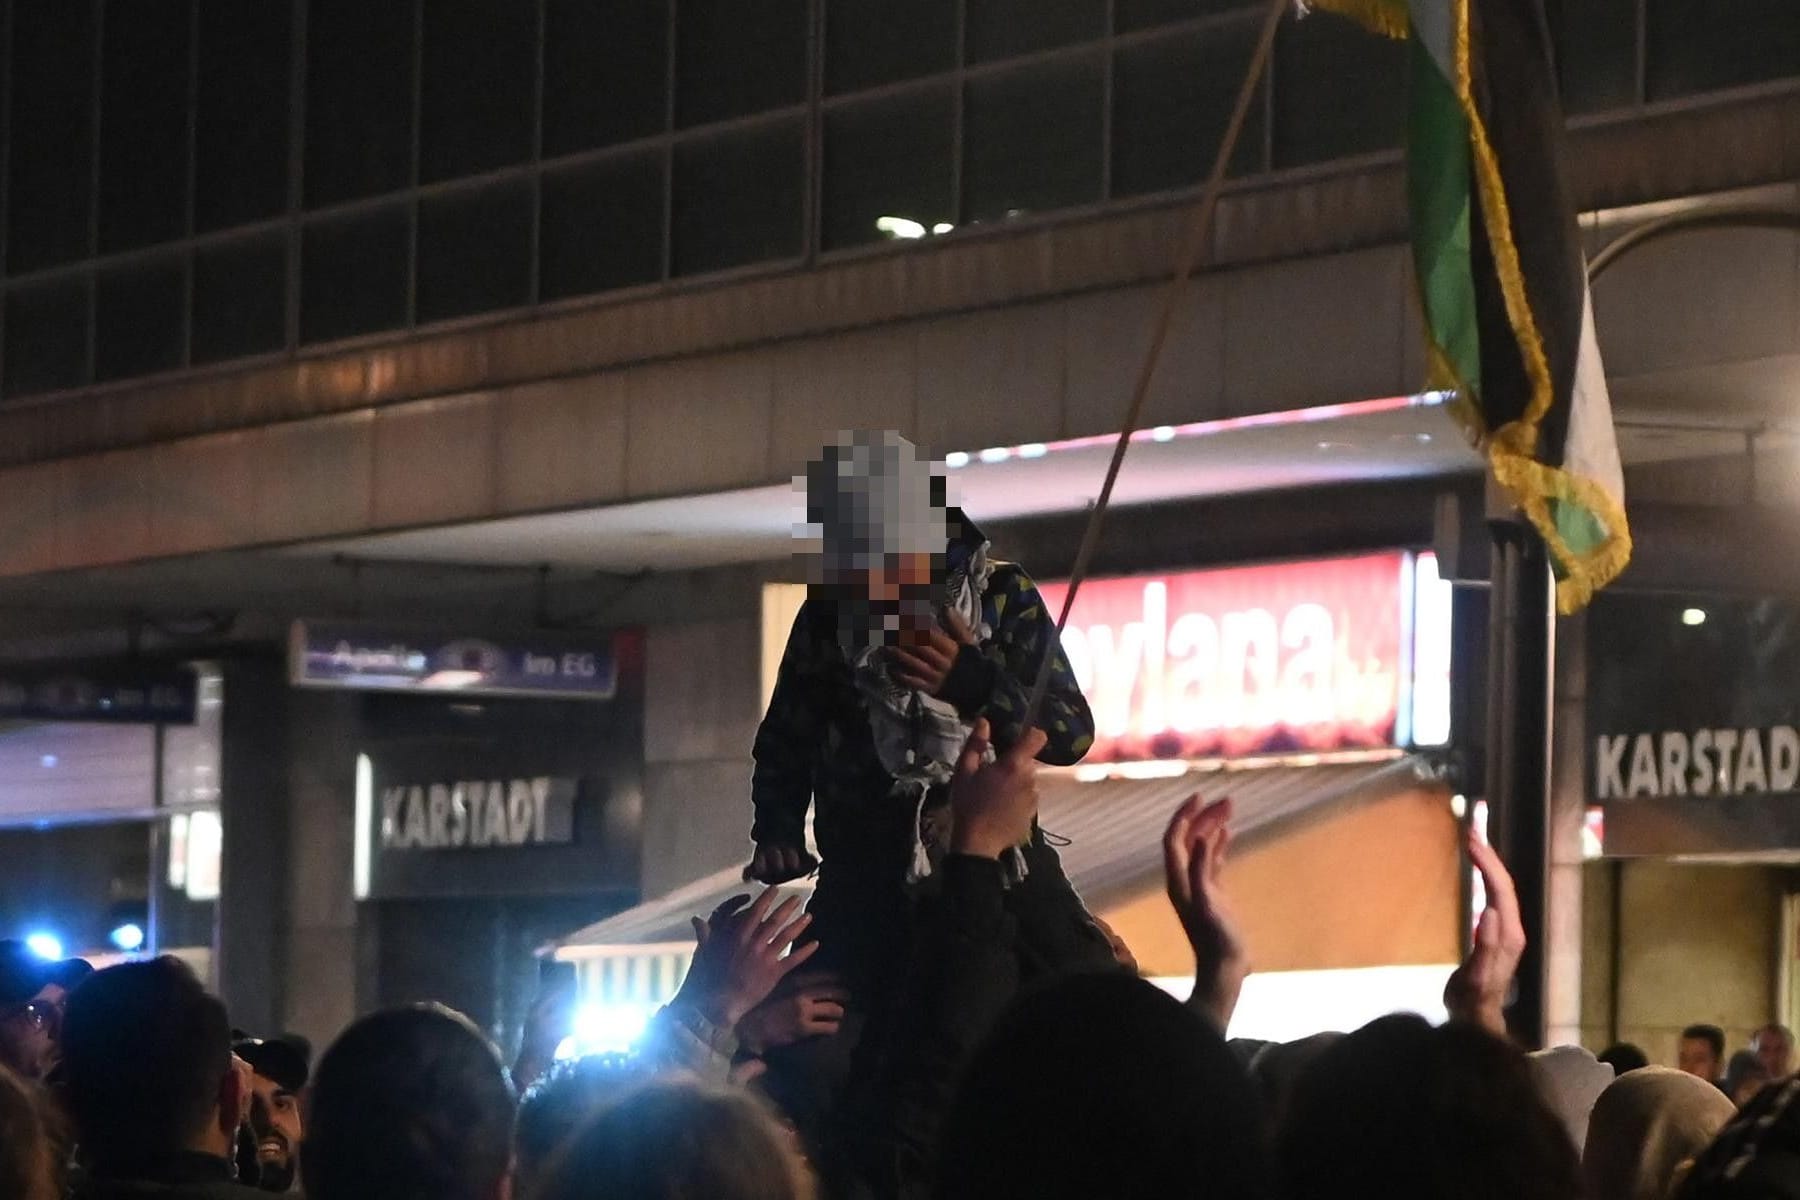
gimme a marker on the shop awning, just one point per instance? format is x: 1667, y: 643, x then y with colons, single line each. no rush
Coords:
x: 1113, y: 828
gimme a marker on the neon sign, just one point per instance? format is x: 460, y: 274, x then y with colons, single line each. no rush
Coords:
x: 1292, y: 658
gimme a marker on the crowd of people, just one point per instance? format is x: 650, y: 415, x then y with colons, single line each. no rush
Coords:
x: 131, y: 1083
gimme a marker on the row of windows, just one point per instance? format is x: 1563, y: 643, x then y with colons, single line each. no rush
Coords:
x: 986, y: 110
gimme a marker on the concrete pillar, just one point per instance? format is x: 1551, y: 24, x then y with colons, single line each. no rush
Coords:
x: 252, y: 911
x: 702, y: 705
x: 323, y: 951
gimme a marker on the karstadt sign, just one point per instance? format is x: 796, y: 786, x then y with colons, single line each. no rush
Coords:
x: 1693, y: 723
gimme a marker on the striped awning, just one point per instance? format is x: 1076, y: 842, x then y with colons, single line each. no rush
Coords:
x: 1113, y: 829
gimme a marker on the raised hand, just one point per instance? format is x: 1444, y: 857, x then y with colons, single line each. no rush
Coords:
x: 744, y: 954
x: 992, y: 806
x: 1194, y: 851
x: 1478, y: 989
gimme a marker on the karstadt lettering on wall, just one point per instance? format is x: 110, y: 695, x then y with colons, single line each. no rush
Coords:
x: 1704, y: 762
x: 478, y: 814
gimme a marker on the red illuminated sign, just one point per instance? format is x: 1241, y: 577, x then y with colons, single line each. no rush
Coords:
x: 1292, y: 658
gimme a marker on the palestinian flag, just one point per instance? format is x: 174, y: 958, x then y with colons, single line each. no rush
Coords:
x: 1500, y: 272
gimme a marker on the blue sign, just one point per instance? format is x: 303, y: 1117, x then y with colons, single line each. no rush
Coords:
x: 324, y: 654
x: 123, y: 695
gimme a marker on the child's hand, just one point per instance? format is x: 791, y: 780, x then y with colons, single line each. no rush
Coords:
x: 779, y: 864
x: 925, y: 663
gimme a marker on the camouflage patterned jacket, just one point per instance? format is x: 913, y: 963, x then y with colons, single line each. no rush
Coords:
x: 815, y: 744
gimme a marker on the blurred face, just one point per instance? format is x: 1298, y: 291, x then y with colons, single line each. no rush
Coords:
x: 901, y: 586
x: 275, y: 1120
x: 1775, y: 1050
x: 1696, y: 1057
x: 28, y: 1038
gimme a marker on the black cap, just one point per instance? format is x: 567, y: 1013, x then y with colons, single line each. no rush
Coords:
x: 22, y: 973
x: 278, y: 1059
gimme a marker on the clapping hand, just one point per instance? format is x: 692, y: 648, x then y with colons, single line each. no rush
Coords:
x: 1194, y: 849
x: 1478, y: 989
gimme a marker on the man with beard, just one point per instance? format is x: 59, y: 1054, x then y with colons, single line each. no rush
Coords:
x: 270, y: 1155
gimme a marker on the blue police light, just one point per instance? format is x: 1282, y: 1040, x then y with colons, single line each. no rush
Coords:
x: 128, y: 937
x: 45, y: 945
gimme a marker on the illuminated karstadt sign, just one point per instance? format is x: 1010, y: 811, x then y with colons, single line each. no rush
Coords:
x: 1309, y: 657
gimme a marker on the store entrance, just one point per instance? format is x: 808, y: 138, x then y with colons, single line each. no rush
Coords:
x: 105, y: 890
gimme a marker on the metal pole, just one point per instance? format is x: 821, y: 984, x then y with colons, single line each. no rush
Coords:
x: 1520, y: 647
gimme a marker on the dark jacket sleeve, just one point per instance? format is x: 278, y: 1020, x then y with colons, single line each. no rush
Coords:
x: 996, y: 681
x: 966, y: 973
x: 781, y: 785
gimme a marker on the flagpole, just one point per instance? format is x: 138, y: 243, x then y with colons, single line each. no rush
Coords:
x: 1186, y: 259
x: 1521, y: 654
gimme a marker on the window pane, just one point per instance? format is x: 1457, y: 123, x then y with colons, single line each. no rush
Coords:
x: 606, y: 73
x: 143, y: 130
x: 479, y: 86
x: 241, y: 136
x: 1699, y: 45
x: 1002, y: 28
x: 475, y: 251
x: 1033, y: 140
x: 353, y: 275
x: 240, y: 298
x: 1596, y: 49
x: 46, y: 337
x: 739, y: 198
x: 1142, y: 14
x: 1172, y: 99
x: 872, y: 42
x: 889, y: 157
x: 50, y: 184
x: 137, y: 319
x: 736, y: 57
x: 359, y: 74
x: 1339, y: 90
x: 602, y: 226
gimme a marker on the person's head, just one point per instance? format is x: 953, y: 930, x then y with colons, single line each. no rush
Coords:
x: 1623, y: 1057
x: 278, y: 1076
x: 409, y: 1104
x: 1745, y: 1076
x: 876, y: 505
x: 27, y: 1163
x: 28, y: 1024
x: 1102, y: 1085
x: 1406, y: 1111
x: 1644, y: 1127
x: 1774, y: 1046
x: 1701, y: 1052
x: 147, y: 1067
x: 557, y: 1104
x: 676, y: 1138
